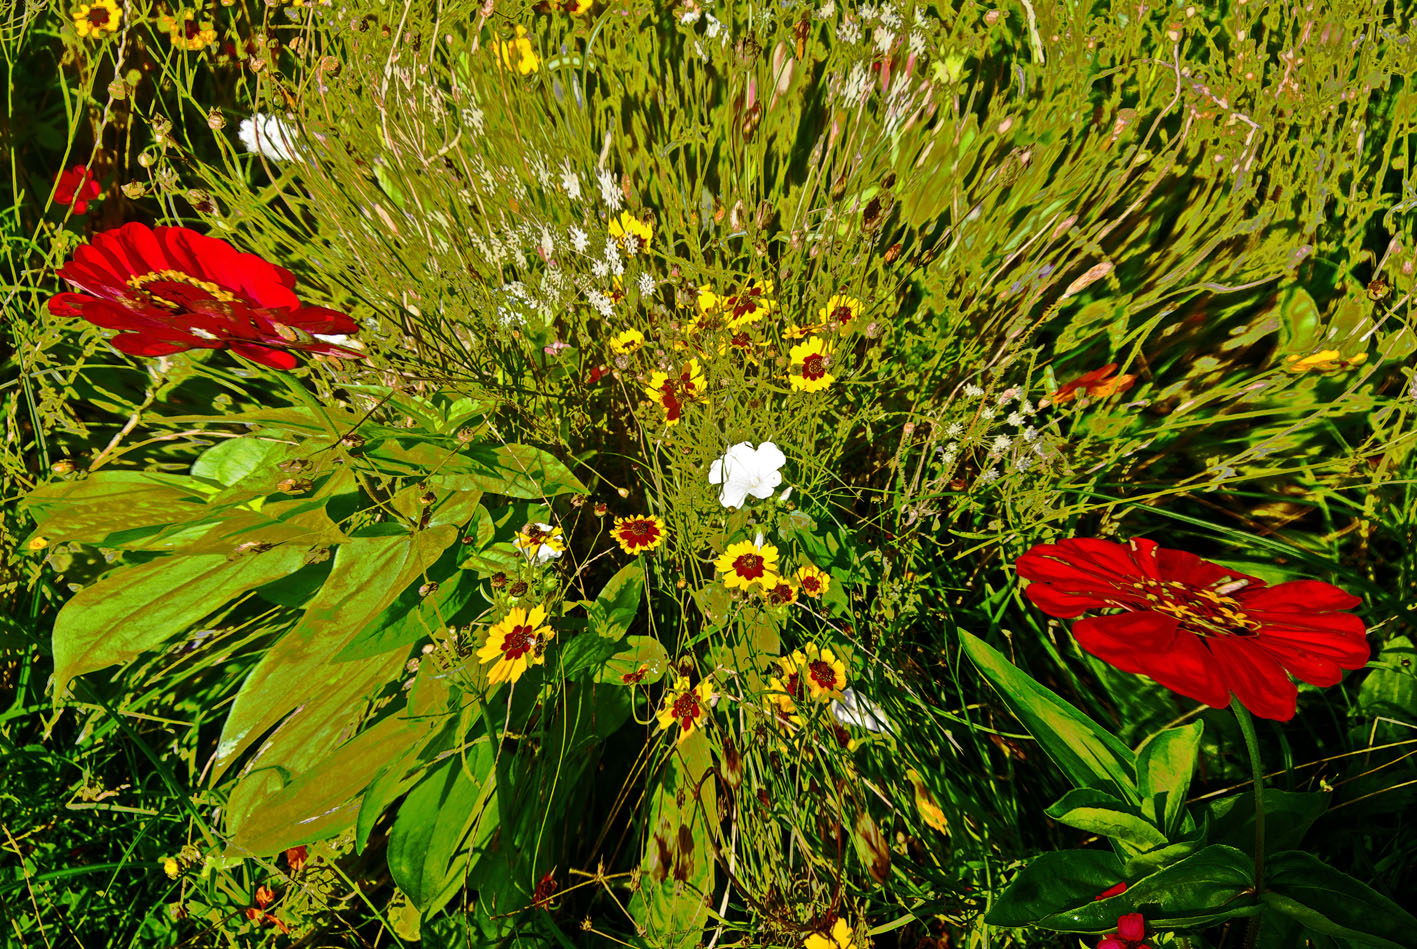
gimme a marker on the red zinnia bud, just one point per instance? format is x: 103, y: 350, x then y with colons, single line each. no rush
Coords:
x: 76, y: 187
x: 1111, y: 891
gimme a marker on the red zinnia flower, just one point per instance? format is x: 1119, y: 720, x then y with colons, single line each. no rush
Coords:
x: 1131, y: 931
x: 170, y: 289
x: 1196, y: 627
x: 76, y: 187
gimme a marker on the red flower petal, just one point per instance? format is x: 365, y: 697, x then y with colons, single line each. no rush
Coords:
x: 1299, y: 596
x: 1257, y: 680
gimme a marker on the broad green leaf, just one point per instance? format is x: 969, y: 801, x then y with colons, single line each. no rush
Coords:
x: 1211, y: 884
x: 1333, y: 903
x: 1390, y: 688
x: 134, y: 609
x: 324, y: 799
x: 130, y: 504
x: 1099, y: 812
x: 639, y: 660
x: 1300, y: 326
x: 414, y: 616
x: 514, y: 471
x: 1165, y: 762
x: 235, y: 459
x: 368, y: 573
x: 677, y: 867
x: 586, y: 651
x: 1089, y: 755
x: 1288, y: 816
x: 444, y: 825
x: 1052, y: 883
x: 614, y: 609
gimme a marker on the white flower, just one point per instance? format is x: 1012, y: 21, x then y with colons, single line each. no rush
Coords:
x: 826, y: 10
x: 746, y: 470
x: 973, y: 391
x: 579, y: 240
x: 954, y: 430
x: 646, y: 284
x: 270, y: 136
x: 601, y: 302
x: 884, y: 40
x: 1015, y: 419
x: 848, y: 31
x: 609, y: 189
x: 713, y: 28
x: 853, y: 709
x: 339, y: 340
x: 570, y: 181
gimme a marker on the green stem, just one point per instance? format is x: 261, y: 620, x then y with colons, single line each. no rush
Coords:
x: 1247, y: 729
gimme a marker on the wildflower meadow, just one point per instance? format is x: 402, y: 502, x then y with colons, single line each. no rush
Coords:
x: 800, y: 474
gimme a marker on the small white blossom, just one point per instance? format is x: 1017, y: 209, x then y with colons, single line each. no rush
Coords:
x: 271, y: 137
x: 990, y: 476
x: 1023, y: 463
x: 601, y: 302
x: 745, y: 470
x: 713, y: 27
x: 690, y: 16
x: 954, y: 430
x: 1000, y: 444
x: 472, y: 115
x: 1015, y: 419
x: 890, y: 17
x: 827, y: 10
x: 1029, y: 434
x: 973, y: 391
x: 884, y: 40
x: 848, y: 30
x: 987, y: 412
x: 601, y: 270
x: 646, y: 284
x: 867, y: 11
x: 609, y: 189
x: 570, y: 181
x: 1026, y: 407
x: 632, y: 244
x: 917, y: 43
x: 579, y: 240
x: 856, y: 84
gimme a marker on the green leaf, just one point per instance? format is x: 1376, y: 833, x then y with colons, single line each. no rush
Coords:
x: 368, y: 573
x: 1333, y: 903
x: 1288, y: 816
x: 1300, y: 326
x: 514, y: 471
x: 1390, y: 688
x: 638, y: 660
x: 586, y: 652
x: 230, y: 461
x: 614, y: 609
x: 114, y: 508
x: 323, y: 800
x: 1089, y: 755
x: 1099, y: 812
x: 1054, y: 882
x: 1211, y: 884
x: 677, y: 867
x: 134, y: 609
x: 452, y: 808
x: 1165, y: 762
x: 413, y: 616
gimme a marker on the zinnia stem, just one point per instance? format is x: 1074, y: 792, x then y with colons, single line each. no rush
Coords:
x: 1247, y: 729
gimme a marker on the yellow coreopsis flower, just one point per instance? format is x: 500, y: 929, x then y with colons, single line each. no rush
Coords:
x: 515, y: 643
x: 811, y: 581
x: 841, y: 937
x: 824, y: 674
x: 746, y: 563
x: 97, y: 18
x: 627, y: 223
x: 627, y: 342
x: 635, y: 535
x: 782, y: 593
x: 186, y: 31
x: 840, y: 313
x: 810, y: 360
x: 785, y: 689
x: 518, y: 53
x: 671, y: 392
x: 686, y: 707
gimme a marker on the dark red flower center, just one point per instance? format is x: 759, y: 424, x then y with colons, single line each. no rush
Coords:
x: 742, y: 340
x: 822, y: 673
x: 843, y: 315
x: 814, y: 366
x: 176, y: 290
x: 1200, y: 611
x: 98, y: 17
x: 518, y: 642
x: 780, y: 594
x: 686, y: 709
x: 811, y: 584
x: 668, y: 398
x: 191, y: 29
x: 749, y: 566
x: 640, y: 532
x: 793, y: 685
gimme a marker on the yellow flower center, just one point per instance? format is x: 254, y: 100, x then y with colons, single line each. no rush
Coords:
x: 172, y: 296
x: 1202, y: 612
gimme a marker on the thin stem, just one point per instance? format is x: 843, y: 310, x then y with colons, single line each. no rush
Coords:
x: 1247, y: 729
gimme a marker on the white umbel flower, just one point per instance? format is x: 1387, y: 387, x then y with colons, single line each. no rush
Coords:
x: 745, y: 470
x: 270, y: 136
